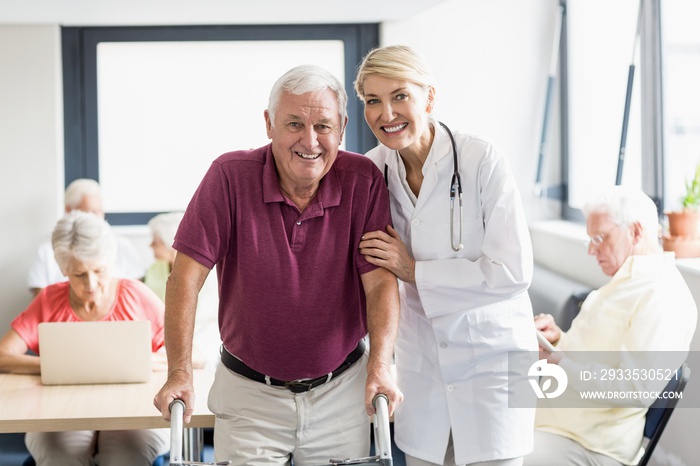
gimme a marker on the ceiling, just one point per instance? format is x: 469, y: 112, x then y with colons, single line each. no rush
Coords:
x: 194, y: 12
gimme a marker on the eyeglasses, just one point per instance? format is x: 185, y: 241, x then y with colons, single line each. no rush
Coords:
x: 597, y: 240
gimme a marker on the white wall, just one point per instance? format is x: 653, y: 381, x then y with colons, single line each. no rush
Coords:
x: 491, y: 61
x: 31, y: 154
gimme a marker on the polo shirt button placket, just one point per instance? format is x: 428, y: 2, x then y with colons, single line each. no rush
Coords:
x: 298, y: 236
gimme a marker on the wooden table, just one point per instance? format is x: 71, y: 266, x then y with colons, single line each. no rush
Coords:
x: 28, y: 406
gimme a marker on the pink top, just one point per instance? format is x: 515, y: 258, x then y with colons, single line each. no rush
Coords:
x: 134, y: 301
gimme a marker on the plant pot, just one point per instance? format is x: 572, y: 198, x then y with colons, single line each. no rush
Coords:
x: 683, y: 246
x: 684, y: 223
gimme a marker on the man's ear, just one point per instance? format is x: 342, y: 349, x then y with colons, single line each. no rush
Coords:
x: 268, y: 124
x: 637, y: 232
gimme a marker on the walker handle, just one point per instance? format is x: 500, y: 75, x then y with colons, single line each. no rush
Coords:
x: 382, y: 433
x: 177, y: 411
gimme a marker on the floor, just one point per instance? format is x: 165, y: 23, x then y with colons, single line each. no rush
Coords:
x: 13, y: 452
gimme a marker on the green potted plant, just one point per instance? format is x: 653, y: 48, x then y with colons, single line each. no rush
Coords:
x: 684, y: 225
x: 685, y: 222
x: 691, y: 200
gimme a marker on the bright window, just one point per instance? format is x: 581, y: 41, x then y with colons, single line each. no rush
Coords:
x: 681, y: 79
x: 600, y: 49
x: 167, y: 109
x: 147, y: 109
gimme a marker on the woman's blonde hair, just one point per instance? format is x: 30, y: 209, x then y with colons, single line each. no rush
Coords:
x: 393, y: 62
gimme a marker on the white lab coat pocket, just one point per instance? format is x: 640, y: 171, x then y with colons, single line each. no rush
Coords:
x: 496, y: 330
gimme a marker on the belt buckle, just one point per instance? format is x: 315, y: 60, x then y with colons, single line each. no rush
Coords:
x: 299, y: 386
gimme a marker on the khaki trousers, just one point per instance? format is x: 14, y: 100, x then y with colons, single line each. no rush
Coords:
x: 258, y: 424
x: 555, y: 450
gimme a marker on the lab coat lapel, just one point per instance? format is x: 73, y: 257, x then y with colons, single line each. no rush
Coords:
x: 440, y: 149
x: 395, y: 186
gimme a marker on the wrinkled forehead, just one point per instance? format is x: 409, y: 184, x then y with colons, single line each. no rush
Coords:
x: 316, y: 104
x: 598, y: 222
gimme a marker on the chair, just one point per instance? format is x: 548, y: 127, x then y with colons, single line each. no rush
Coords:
x: 571, y: 308
x: 660, y: 411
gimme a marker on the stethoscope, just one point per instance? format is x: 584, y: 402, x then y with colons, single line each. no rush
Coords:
x: 455, y: 191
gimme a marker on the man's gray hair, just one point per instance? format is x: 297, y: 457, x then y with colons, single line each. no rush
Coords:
x: 78, y: 189
x: 626, y: 206
x: 307, y: 78
x: 84, y: 237
x: 164, y: 226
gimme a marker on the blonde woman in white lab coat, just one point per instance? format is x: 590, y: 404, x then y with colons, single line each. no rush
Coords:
x: 462, y: 310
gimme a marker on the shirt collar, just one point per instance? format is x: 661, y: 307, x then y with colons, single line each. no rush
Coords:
x: 647, y: 264
x: 441, y: 147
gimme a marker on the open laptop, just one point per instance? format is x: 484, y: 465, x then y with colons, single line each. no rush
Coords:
x: 95, y: 352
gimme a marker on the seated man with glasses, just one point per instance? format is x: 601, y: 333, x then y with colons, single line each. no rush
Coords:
x: 641, y: 321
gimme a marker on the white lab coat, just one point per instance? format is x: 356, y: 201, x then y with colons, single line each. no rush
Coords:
x: 467, y: 309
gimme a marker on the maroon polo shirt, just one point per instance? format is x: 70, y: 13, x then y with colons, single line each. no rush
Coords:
x: 292, y: 303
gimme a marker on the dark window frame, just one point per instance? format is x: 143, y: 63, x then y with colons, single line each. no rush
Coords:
x: 79, y: 49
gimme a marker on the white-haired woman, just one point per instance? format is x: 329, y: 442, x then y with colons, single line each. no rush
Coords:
x: 206, y: 341
x: 163, y: 228
x: 465, y: 273
x: 85, y: 249
x: 85, y: 195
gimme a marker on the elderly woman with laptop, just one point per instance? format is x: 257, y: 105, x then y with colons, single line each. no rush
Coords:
x: 85, y: 250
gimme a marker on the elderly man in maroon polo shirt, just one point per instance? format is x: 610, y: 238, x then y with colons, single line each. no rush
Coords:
x: 282, y: 224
